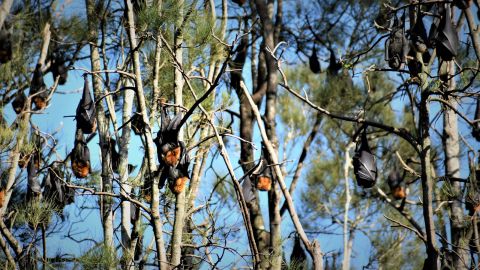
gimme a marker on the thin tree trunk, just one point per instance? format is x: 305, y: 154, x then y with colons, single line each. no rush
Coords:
x: 149, y: 145
x: 452, y: 170
x: 179, y: 220
x: 347, y: 233
x: 102, y: 125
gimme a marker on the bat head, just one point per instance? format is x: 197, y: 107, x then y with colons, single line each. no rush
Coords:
x: 399, y: 193
x: 264, y: 183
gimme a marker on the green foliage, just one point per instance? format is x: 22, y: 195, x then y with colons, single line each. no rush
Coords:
x: 99, y: 257
x: 35, y: 212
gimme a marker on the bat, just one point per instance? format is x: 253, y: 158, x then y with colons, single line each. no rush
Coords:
x: 395, y: 182
x: 313, y: 62
x: 298, y: 257
x: 80, y: 156
x: 34, y: 189
x: 247, y: 190
x: 177, y: 176
x: 5, y: 46
x: 334, y: 66
x: 85, y: 114
x: 18, y: 103
x: 138, y: 125
x: 364, y: 164
x: 447, y: 39
x: 419, y: 34
x: 169, y: 148
x: 55, y: 190
x: 38, y: 89
x: 396, y: 47
x: 115, y: 156
x: 58, y: 67
x: 476, y: 125
x: 414, y: 66
x: 239, y: 2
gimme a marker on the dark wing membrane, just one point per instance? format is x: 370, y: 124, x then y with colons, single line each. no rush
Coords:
x: 447, y: 39
x: 85, y: 115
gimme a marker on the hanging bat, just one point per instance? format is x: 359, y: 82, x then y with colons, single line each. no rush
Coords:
x: 414, y: 66
x: 138, y: 125
x: 239, y: 2
x: 447, y: 42
x: 419, y: 34
x: 58, y: 67
x: 38, y: 89
x: 313, y: 62
x: 178, y: 176
x: 395, y: 182
x: 476, y: 125
x: 85, y: 114
x: 80, y: 156
x: 115, y: 156
x: 170, y: 149
x: 5, y: 46
x: 18, y: 103
x: 247, y: 190
x: 334, y: 66
x: 34, y: 189
x: 396, y: 47
x: 298, y: 258
x: 56, y: 191
x: 364, y: 165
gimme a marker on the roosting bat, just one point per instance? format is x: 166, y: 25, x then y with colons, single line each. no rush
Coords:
x: 116, y: 158
x: 298, y: 259
x: 395, y: 182
x: 56, y: 191
x: 138, y: 125
x: 419, y: 34
x: 396, y: 47
x: 264, y: 178
x: 34, y: 189
x: 58, y: 67
x: 18, y: 103
x: 38, y: 89
x: 169, y: 148
x: 247, y: 190
x: 177, y: 176
x: 80, y: 156
x: 334, y: 66
x: 443, y: 35
x: 364, y: 165
x: 313, y: 62
x: 85, y: 114
x: 5, y: 46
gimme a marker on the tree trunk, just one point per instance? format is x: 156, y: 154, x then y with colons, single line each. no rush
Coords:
x: 451, y: 146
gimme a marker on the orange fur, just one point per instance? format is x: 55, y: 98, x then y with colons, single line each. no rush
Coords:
x: 399, y: 193
x: 173, y: 156
x: 80, y: 169
x: 179, y: 185
x: 40, y: 103
x: 2, y: 197
x: 264, y: 183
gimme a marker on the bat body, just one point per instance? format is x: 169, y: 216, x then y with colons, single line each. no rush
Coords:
x: 313, y: 62
x: 177, y: 176
x: 395, y: 182
x: 169, y: 147
x: 397, y: 49
x: 138, y: 126
x: 34, y: 189
x: 298, y: 258
x: 80, y: 156
x: 55, y: 190
x: 334, y: 66
x: 18, y: 103
x: 85, y: 114
x: 58, y: 68
x: 444, y: 35
x: 419, y: 35
x: 5, y: 46
x: 38, y: 89
x: 364, y: 164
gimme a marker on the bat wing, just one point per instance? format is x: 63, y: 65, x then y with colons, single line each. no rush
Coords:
x: 247, y: 190
x: 447, y: 40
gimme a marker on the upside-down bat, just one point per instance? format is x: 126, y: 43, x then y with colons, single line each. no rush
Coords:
x: 247, y: 191
x: 85, y: 114
x: 56, y: 191
x: 80, y: 156
x: 264, y: 178
x: 18, y: 103
x: 38, y: 89
x: 414, y: 66
x: 177, y: 176
x: 5, y: 46
x: 169, y: 148
x: 396, y: 47
x: 313, y: 62
x: 364, y: 165
x: 419, y: 34
x: 116, y: 158
x: 476, y: 125
x: 396, y: 184
x: 239, y: 2
x: 334, y: 66
x: 443, y: 35
x: 138, y: 125
x: 58, y: 67
x: 34, y: 189
x: 298, y: 258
